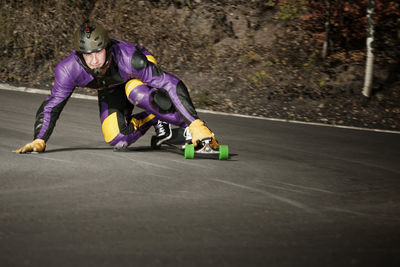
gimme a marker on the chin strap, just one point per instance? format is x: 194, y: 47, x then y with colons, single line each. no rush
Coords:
x: 98, y: 72
x: 103, y: 69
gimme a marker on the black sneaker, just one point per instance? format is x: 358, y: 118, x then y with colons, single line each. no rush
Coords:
x: 188, y: 137
x: 163, y: 132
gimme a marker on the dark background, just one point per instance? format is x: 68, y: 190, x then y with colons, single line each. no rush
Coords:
x: 254, y: 57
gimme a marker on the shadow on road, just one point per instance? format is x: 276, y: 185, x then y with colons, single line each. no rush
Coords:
x: 129, y: 149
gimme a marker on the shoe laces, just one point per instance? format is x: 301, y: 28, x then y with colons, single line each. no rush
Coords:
x: 187, y: 134
x: 160, y: 129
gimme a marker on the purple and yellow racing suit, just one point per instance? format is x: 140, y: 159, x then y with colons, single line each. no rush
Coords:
x: 133, y: 78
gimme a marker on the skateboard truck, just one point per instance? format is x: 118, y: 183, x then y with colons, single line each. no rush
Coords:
x: 203, y: 146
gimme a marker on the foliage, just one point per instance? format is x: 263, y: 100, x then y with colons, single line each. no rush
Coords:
x: 348, y: 22
x: 291, y: 9
x: 235, y: 56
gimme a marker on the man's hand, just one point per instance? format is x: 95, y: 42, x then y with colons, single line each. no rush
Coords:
x: 37, y: 145
x: 200, y: 131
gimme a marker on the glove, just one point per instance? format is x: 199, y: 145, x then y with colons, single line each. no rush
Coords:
x: 200, y: 131
x: 37, y: 145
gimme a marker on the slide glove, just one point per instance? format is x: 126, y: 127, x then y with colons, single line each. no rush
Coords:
x: 37, y: 145
x: 200, y: 131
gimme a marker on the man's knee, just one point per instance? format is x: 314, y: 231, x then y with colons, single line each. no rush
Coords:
x: 115, y: 129
x: 110, y: 128
x: 136, y: 91
x: 162, y: 101
x: 145, y: 97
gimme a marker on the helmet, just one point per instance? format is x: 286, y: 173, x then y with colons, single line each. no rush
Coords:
x: 90, y: 38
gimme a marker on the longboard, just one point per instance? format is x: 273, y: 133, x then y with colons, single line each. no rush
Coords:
x: 177, y: 142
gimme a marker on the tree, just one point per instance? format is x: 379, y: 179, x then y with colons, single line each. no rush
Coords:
x: 369, y: 69
x: 327, y: 29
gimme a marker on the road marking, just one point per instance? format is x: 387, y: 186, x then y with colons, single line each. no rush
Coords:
x: 41, y: 91
x: 306, y: 187
x: 36, y: 155
x: 346, y: 211
x: 270, y: 195
x: 120, y: 155
x: 88, y: 97
x: 297, y: 122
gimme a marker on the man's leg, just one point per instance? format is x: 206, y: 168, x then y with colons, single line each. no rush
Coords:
x: 155, y: 101
x: 164, y: 104
x: 120, y: 128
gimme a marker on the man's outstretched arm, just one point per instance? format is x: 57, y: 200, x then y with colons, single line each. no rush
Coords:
x: 50, y: 110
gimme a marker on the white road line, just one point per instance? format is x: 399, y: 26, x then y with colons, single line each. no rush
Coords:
x: 81, y: 96
x: 298, y: 122
x: 346, y: 211
x: 41, y: 91
x: 36, y: 155
x: 270, y: 195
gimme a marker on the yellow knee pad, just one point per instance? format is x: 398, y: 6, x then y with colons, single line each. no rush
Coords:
x: 110, y: 127
x: 131, y: 85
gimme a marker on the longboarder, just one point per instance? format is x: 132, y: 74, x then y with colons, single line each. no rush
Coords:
x: 124, y: 74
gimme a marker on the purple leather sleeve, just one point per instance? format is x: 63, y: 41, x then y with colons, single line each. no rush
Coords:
x: 68, y: 74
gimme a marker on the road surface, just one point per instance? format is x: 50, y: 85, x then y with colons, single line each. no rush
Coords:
x: 290, y: 195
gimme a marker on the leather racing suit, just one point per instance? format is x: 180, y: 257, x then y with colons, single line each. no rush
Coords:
x: 133, y: 78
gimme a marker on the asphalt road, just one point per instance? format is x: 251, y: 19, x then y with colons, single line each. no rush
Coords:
x: 290, y: 195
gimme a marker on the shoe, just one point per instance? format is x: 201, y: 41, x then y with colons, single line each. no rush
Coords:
x: 188, y: 137
x: 163, y: 132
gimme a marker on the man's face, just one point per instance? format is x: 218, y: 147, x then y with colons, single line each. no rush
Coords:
x: 95, y: 59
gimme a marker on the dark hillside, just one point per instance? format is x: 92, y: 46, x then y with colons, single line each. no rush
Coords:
x: 250, y: 57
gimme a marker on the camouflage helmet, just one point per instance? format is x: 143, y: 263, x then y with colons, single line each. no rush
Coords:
x: 89, y: 38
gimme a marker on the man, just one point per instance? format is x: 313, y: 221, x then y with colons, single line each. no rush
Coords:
x: 125, y: 75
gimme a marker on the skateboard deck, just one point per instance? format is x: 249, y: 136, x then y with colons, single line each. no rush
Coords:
x: 177, y: 142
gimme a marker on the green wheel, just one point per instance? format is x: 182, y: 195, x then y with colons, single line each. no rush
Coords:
x: 223, y: 152
x: 189, y: 151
